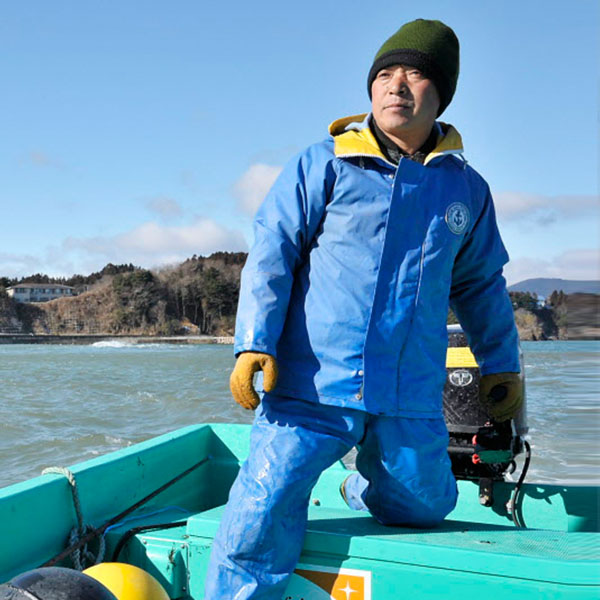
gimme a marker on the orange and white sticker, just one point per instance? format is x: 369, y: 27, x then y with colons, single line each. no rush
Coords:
x: 311, y: 582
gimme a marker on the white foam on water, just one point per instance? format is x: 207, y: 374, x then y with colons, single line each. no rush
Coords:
x: 152, y: 345
x: 117, y: 441
x: 112, y: 344
x: 121, y: 344
x: 146, y: 396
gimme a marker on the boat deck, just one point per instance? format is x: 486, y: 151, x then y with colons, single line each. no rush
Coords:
x: 457, y: 555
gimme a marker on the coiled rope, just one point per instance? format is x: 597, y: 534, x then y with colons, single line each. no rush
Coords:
x: 81, y: 555
x: 100, y: 531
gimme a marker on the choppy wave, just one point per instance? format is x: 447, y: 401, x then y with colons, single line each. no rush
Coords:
x: 64, y: 404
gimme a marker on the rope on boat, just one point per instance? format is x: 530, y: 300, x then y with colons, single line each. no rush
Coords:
x: 100, y: 531
x: 81, y: 553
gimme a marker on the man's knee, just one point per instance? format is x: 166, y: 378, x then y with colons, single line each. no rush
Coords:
x: 417, y: 516
x: 423, y: 511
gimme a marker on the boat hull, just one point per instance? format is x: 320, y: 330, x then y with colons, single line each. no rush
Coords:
x: 477, y: 549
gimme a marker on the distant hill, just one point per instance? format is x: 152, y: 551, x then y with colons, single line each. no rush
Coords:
x: 545, y: 286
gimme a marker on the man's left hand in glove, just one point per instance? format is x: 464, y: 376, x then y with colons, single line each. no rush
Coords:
x: 501, y: 394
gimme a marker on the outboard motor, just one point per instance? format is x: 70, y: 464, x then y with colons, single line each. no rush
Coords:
x: 479, y: 448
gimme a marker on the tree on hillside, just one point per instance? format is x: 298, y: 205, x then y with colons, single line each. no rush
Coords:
x: 141, y: 300
x: 41, y: 278
x: 229, y: 258
x: 203, y: 295
x: 108, y: 270
x: 523, y: 300
x: 557, y: 302
x: 557, y: 298
x: 7, y: 282
x: 219, y: 297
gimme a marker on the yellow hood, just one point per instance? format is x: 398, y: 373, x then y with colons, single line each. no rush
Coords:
x: 353, y: 138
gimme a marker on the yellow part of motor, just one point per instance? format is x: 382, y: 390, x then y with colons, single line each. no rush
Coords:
x: 460, y: 356
x: 127, y: 582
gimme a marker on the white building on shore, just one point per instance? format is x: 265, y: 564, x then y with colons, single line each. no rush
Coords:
x: 39, y: 292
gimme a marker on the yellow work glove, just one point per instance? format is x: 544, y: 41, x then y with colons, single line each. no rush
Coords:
x: 241, y: 381
x: 501, y: 394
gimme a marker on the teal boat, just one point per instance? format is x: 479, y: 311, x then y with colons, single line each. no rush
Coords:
x: 157, y: 505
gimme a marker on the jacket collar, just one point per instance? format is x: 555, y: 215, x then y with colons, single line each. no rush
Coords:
x: 352, y: 136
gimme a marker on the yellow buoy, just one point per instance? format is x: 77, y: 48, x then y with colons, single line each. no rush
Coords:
x: 127, y: 582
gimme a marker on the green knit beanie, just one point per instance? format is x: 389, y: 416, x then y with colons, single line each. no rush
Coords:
x: 429, y: 46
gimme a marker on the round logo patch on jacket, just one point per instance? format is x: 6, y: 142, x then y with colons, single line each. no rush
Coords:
x: 457, y: 217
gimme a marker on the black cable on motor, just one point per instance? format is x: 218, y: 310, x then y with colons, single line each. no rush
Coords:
x: 516, y: 497
x: 135, y: 530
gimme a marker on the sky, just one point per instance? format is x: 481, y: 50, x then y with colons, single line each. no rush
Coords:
x: 147, y: 132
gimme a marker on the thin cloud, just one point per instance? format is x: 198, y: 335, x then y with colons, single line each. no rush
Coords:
x: 149, y: 245
x: 189, y: 181
x: 164, y: 207
x: 41, y: 159
x: 253, y: 185
x: 581, y: 264
x: 17, y: 265
x: 543, y: 210
x: 152, y: 244
x: 53, y: 263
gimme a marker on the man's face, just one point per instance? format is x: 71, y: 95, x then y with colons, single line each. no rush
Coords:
x: 404, y: 101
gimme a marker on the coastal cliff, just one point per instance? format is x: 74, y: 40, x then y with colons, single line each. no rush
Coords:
x: 563, y: 317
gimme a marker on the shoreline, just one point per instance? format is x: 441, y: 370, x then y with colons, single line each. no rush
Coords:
x: 72, y: 339
x: 84, y: 338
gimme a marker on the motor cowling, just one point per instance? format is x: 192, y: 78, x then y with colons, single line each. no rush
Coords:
x: 479, y: 448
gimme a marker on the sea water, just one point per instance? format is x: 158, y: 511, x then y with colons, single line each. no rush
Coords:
x: 63, y: 404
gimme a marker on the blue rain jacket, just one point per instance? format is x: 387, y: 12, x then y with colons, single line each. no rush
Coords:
x: 354, y: 264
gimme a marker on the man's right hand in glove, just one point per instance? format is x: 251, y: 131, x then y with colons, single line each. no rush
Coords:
x: 241, y: 381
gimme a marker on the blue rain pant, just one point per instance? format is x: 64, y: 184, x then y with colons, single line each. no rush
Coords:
x: 403, y: 478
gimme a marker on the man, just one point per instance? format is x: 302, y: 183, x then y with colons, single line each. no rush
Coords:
x: 361, y: 245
